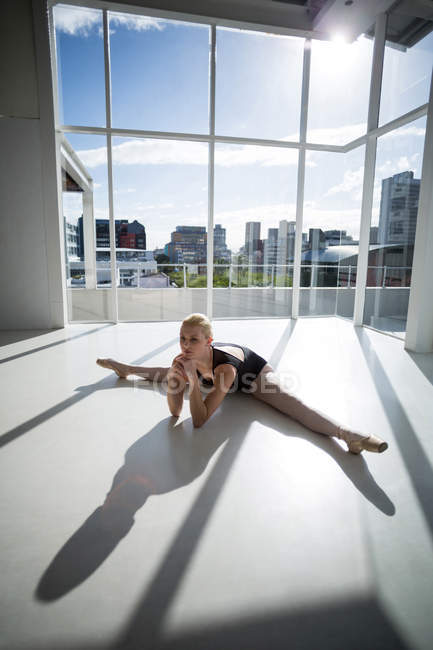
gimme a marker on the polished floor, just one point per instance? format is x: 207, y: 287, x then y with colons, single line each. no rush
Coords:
x: 247, y: 534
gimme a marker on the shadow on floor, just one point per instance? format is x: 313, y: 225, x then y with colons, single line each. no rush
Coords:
x: 356, y: 624
x: 424, y: 362
x: 166, y: 458
x: 417, y: 464
x: 352, y: 624
x: 49, y: 345
x: 108, y: 382
x: 15, y: 336
x: 281, y: 346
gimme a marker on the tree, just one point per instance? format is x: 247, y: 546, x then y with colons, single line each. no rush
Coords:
x: 161, y: 259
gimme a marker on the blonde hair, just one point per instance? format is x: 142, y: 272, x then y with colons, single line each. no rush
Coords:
x: 202, y: 321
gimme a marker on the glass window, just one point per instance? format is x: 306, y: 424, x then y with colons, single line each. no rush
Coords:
x: 406, y: 78
x: 330, y: 237
x: 393, y: 227
x: 254, y: 233
x: 339, y: 91
x: 80, y: 65
x: 161, y: 210
x: 159, y: 74
x: 85, y: 205
x: 258, y: 85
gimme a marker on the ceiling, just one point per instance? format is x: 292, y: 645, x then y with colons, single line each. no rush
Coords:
x: 408, y: 20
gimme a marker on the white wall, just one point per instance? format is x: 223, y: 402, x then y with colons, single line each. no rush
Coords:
x: 31, y: 267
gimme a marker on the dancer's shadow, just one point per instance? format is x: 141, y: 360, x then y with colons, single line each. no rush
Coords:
x: 164, y: 459
x: 169, y: 457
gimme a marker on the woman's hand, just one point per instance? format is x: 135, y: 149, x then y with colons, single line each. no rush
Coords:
x: 189, y: 367
x: 176, y: 384
x: 184, y: 367
x: 176, y: 370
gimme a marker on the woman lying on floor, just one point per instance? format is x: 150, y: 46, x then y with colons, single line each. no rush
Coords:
x: 227, y: 367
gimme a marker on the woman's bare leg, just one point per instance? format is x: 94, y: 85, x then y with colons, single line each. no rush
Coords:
x: 269, y: 387
x: 124, y: 369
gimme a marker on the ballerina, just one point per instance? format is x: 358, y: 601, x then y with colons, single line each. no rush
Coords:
x: 228, y: 367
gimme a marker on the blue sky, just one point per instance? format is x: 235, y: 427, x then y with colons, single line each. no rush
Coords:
x: 160, y: 82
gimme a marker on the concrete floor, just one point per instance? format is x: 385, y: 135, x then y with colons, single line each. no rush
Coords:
x: 249, y: 533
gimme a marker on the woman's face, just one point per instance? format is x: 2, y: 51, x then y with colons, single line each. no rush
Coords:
x: 193, y: 341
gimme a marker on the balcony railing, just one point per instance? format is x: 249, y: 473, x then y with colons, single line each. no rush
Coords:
x: 193, y: 276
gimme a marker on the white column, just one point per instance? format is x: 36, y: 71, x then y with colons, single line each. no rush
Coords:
x: 369, y: 168
x: 301, y: 179
x: 89, y: 240
x: 419, y: 329
x: 50, y: 168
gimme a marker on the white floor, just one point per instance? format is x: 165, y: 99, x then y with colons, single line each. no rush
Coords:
x: 257, y: 533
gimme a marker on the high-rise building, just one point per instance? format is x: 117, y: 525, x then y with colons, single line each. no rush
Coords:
x: 136, y: 228
x: 220, y: 250
x: 270, y: 248
x: 399, y: 209
x: 188, y: 244
x: 81, y: 238
x: 128, y: 235
x: 72, y: 240
x: 252, y: 237
x: 316, y: 239
x: 286, y: 242
x: 374, y: 234
x: 337, y: 237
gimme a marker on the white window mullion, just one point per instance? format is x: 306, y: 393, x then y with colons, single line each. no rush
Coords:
x: 369, y: 168
x: 301, y: 179
x: 211, y: 171
x: 114, y: 301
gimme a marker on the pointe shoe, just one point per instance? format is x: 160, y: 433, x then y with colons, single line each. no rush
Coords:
x: 110, y: 364
x: 357, y: 443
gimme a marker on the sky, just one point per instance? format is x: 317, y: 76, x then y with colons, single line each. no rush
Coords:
x: 160, y: 81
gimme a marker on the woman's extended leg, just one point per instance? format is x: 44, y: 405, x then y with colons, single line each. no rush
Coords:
x: 269, y: 388
x: 123, y: 370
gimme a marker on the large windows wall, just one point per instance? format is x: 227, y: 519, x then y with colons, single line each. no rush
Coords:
x: 399, y: 156
x: 255, y: 207
x: 332, y: 215
x: 339, y: 91
x: 395, y: 208
x: 184, y: 132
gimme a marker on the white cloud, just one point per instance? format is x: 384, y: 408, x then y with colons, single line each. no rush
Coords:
x: 235, y: 155
x: 391, y: 167
x: 164, y: 152
x: 405, y: 131
x: 77, y: 21
x: 126, y: 190
x: 348, y: 220
x: 352, y: 180
x: 344, y: 134
x: 136, y: 23
x: 336, y: 135
x: 158, y: 206
x: 268, y: 215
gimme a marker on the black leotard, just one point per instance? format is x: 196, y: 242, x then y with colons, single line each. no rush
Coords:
x: 247, y: 370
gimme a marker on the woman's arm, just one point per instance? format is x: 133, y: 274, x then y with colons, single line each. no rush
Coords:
x: 176, y: 383
x: 202, y: 410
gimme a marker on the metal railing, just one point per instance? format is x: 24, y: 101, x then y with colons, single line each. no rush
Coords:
x: 136, y: 275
